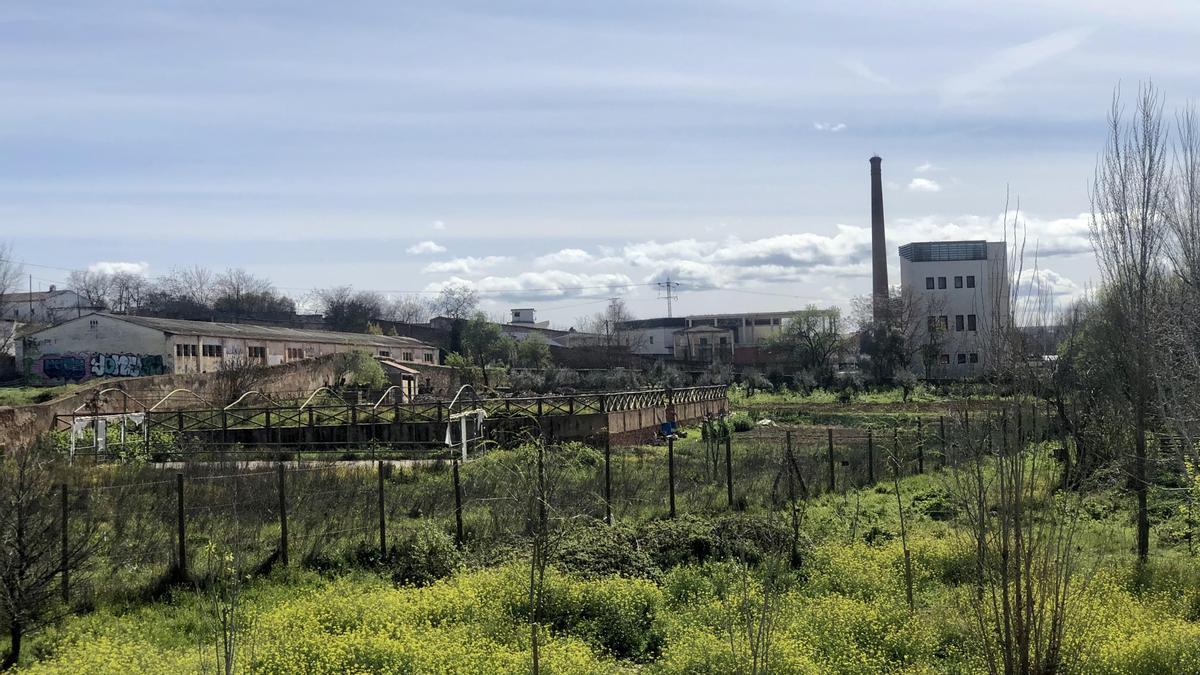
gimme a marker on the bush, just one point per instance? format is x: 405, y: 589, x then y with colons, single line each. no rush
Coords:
x: 600, y: 550
x: 425, y: 555
x: 741, y: 421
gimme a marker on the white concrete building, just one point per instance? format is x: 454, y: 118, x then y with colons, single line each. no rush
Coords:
x: 961, y: 288
x: 111, y: 345
x: 653, y: 337
x: 44, y: 307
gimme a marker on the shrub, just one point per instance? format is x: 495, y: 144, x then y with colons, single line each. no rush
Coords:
x: 600, y: 550
x: 741, y: 421
x: 678, y: 540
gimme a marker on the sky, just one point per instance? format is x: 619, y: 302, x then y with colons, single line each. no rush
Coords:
x: 557, y: 154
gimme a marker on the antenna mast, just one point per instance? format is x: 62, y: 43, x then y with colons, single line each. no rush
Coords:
x: 669, y: 289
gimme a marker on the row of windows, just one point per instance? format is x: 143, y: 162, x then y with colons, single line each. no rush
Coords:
x: 972, y: 357
x: 961, y: 322
x: 941, y: 282
x: 260, y: 352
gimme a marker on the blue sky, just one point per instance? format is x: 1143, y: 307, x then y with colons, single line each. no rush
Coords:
x: 587, y: 148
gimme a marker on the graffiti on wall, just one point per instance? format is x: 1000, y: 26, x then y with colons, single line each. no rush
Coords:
x: 76, y: 367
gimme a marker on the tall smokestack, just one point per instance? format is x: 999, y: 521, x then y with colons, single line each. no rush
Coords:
x: 879, y: 280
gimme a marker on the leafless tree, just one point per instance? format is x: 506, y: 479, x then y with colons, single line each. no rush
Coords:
x: 196, y: 284
x: 33, y: 551
x: 617, y: 338
x: 10, y: 275
x: 1129, y: 224
x: 456, y: 302
x: 811, y: 338
x: 94, y: 286
x: 407, y: 309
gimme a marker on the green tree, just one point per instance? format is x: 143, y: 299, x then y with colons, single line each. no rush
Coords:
x: 483, y: 343
x: 810, y: 338
x: 532, y: 352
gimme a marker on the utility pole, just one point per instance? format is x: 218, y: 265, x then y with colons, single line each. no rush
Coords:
x: 669, y: 289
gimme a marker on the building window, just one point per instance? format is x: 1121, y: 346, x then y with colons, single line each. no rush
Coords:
x: 958, y: 324
x: 185, y: 350
x: 971, y: 325
x: 212, y: 351
x: 651, y: 339
x: 929, y: 283
x: 762, y: 322
x: 91, y: 324
x: 384, y: 352
x: 294, y: 353
x: 974, y: 357
x: 970, y: 281
x: 428, y: 357
x: 407, y: 356
x: 958, y: 282
x: 941, y: 283
x: 776, y: 321
x: 256, y: 352
x: 944, y: 359
x: 944, y: 323
x: 962, y: 358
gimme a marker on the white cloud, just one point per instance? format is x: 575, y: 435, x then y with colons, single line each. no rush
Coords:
x: 926, y: 167
x: 549, y: 284
x: 923, y: 185
x: 105, y: 267
x: 567, y: 256
x: 425, y: 247
x: 1046, y: 282
x: 864, y: 71
x: 1043, y: 238
x: 438, y: 225
x: 832, y: 127
x: 467, y: 265
x: 988, y: 75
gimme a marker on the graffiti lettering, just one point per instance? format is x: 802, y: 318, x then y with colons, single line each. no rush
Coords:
x: 73, y: 368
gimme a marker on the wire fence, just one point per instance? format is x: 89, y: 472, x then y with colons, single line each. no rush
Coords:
x: 154, y: 526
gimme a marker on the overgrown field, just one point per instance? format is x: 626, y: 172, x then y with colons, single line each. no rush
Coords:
x: 656, y: 595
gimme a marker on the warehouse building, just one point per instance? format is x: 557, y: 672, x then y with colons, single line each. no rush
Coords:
x: 110, y: 345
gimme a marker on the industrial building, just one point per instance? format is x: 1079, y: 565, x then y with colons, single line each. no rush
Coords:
x: 961, y: 288
x: 111, y: 345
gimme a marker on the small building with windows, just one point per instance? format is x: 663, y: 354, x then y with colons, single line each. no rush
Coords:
x: 961, y: 291
x: 112, y: 345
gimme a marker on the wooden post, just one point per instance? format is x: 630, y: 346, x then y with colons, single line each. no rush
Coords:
x: 832, y: 470
x: 65, y: 563
x: 180, y: 529
x: 671, y: 471
x: 283, y: 533
x: 458, y: 517
x: 870, y: 457
x: 729, y: 467
x: 224, y: 427
x: 382, y: 515
x: 607, y: 478
x: 920, y: 448
x: 942, y: 433
x: 896, y: 450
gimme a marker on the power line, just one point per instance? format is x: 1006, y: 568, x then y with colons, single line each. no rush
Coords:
x: 670, y: 287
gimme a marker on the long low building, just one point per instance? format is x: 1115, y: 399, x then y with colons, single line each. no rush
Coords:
x: 113, y: 345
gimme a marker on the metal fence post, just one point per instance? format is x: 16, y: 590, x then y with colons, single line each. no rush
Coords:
x: 65, y: 563
x: 832, y: 470
x: 458, y: 516
x: 896, y: 449
x: 283, y: 514
x: 870, y: 457
x: 729, y: 466
x: 671, y: 472
x: 180, y: 529
x: 920, y: 448
x: 382, y: 515
x: 607, y: 478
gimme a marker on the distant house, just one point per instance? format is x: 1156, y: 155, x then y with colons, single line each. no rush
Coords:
x: 44, y: 307
x: 110, y: 345
x: 704, y: 343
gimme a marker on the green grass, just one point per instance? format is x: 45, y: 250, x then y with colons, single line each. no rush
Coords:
x: 16, y: 396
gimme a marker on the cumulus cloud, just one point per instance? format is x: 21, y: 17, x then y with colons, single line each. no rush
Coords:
x: 832, y: 127
x: 425, y: 248
x: 467, y: 265
x: 106, y: 267
x: 923, y: 185
x: 1043, y: 282
x: 549, y: 284
x: 567, y: 256
x: 1043, y: 237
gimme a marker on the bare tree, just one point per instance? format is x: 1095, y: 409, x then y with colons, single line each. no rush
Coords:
x: 10, y: 275
x: 348, y: 310
x: 456, y: 302
x: 1130, y: 199
x: 33, y: 550
x: 811, y: 338
x: 407, y: 309
x: 94, y: 286
x: 617, y: 338
x: 196, y: 284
